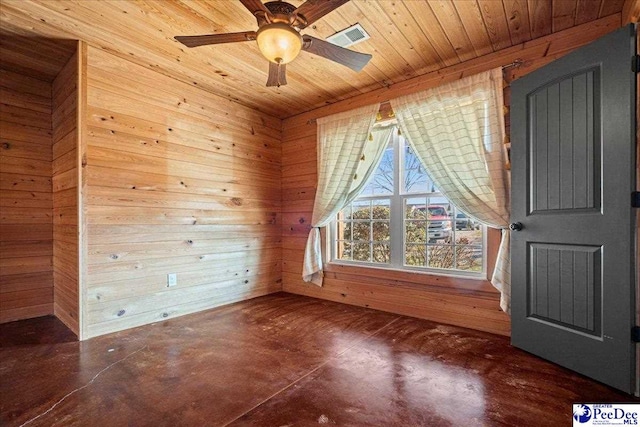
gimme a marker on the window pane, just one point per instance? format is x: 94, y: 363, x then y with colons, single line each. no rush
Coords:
x: 441, y: 256
x: 414, y: 177
x: 463, y: 222
x: 415, y: 255
x: 361, y: 210
x: 381, y: 253
x: 361, y: 252
x: 415, y: 231
x: 361, y: 231
x: 381, y: 181
x: 469, y: 237
x: 381, y: 231
x: 346, y: 250
x: 438, y: 221
x: 439, y: 231
x: 469, y: 257
x: 415, y: 208
x: 381, y: 209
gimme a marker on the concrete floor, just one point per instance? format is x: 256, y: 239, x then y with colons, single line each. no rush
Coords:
x: 282, y: 360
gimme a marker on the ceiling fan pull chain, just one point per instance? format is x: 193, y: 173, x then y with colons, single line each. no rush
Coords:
x: 282, y: 74
x: 279, y: 72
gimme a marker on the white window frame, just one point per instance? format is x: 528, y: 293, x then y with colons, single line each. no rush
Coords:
x: 397, y: 227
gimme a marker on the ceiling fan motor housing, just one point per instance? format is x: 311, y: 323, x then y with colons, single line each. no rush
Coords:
x: 283, y: 12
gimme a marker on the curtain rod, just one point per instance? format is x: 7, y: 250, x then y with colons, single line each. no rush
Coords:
x: 515, y: 64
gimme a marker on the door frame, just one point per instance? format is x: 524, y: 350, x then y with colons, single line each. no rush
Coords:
x: 636, y: 248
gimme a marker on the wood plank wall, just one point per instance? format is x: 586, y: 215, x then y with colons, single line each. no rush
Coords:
x: 26, y: 245
x: 65, y: 195
x: 463, y: 302
x: 177, y: 181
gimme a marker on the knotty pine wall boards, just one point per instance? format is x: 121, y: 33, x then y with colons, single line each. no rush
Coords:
x: 177, y: 181
x: 139, y: 176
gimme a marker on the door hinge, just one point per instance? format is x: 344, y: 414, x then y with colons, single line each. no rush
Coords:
x: 635, y: 64
x: 635, y: 334
x: 635, y: 199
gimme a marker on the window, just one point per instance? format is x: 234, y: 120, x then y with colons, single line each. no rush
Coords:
x: 400, y: 220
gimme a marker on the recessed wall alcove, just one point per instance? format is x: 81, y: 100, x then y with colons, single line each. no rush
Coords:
x: 39, y: 179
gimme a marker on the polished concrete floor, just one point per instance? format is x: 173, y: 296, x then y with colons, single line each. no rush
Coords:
x: 282, y: 360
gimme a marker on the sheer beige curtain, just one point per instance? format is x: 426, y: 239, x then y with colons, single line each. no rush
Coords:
x: 348, y: 152
x: 457, y: 131
x: 370, y: 159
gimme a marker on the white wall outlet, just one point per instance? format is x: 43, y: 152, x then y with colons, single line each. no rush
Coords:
x: 172, y: 279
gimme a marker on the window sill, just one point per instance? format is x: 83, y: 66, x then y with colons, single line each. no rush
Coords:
x: 417, y: 280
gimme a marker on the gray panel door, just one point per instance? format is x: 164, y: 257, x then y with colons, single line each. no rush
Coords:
x: 573, y: 151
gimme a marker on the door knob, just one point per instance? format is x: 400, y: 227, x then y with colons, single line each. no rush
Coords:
x: 515, y: 226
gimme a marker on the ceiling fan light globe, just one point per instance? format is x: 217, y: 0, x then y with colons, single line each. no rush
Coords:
x: 279, y: 43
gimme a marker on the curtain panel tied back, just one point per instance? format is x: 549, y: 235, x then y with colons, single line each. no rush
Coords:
x: 348, y: 153
x: 457, y: 131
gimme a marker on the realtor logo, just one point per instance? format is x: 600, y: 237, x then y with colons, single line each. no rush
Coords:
x: 581, y: 413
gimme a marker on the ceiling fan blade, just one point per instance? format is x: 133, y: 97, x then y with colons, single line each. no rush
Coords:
x: 193, y: 41
x: 277, y: 74
x: 257, y: 8
x: 312, y: 10
x: 352, y: 59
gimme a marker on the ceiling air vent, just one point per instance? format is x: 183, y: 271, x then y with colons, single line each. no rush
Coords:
x: 349, y: 36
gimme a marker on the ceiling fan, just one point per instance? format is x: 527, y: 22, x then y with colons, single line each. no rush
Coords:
x: 278, y: 36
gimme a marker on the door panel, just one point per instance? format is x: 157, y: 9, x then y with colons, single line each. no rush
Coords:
x: 573, y: 151
x: 565, y: 286
x: 564, y: 148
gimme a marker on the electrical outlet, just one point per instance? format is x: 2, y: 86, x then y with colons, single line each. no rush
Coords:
x: 172, y: 279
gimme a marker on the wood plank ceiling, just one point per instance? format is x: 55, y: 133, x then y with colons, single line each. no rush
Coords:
x: 408, y: 38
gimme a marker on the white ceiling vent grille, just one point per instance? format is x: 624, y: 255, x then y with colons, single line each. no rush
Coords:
x: 349, y: 36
